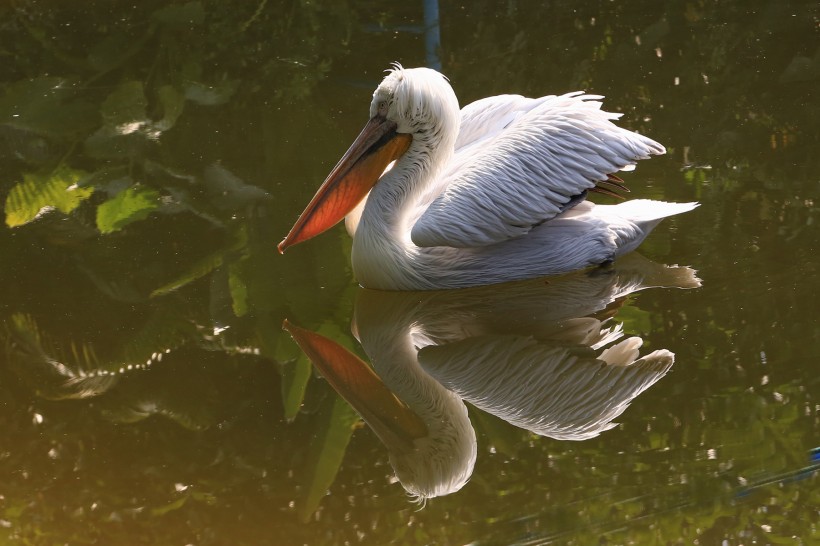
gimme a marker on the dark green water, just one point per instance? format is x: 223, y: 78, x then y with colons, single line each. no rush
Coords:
x: 151, y: 157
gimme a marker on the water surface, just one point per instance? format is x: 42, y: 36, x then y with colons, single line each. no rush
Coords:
x: 154, y: 154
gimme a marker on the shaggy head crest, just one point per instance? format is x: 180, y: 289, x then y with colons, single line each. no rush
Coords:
x: 417, y: 99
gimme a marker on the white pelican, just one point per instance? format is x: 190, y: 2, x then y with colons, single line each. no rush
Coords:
x: 493, y: 193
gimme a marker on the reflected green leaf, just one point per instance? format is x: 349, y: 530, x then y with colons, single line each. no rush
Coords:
x: 131, y: 205
x: 115, y: 49
x: 501, y: 436
x: 802, y: 69
x: 170, y: 507
x: 203, y: 496
x: 206, y: 264
x: 35, y: 194
x: 172, y: 102
x: 635, y: 319
x: 105, y: 177
x: 111, y: 143
x: 125, y: 105
x: 228, y: 192
x: 337, y: 420
x: 238, y: 288
x: 199, y: 269
x: 47, y: 106
x: 295, y: 378
x: 210, y: 95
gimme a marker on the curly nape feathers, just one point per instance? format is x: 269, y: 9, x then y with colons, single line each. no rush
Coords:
x: 418, y: 104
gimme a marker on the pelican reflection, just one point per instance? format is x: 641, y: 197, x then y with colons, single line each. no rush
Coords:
x: 543, y: 355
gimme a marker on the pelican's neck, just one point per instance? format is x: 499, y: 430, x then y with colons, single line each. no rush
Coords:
x: 412, y: 180
x: 382, y: 247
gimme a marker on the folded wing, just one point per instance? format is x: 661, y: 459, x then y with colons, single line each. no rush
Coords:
x: 520, y: 162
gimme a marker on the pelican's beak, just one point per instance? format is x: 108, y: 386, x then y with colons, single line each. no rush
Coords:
x: 393, y: 422
x: 353, y: 176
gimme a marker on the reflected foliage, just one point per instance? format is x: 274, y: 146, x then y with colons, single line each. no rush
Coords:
x: 153, y: 153
x: 744, y: 71
x: 144, y: 256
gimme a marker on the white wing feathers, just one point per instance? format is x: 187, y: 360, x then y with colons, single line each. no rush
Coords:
x: 489, y: 116
x: 519, y: 162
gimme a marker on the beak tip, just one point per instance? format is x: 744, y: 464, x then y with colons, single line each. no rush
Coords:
x: 282, y: 246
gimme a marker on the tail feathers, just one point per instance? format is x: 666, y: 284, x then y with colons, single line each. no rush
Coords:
x: 647, y: 210
x: 631, y: 221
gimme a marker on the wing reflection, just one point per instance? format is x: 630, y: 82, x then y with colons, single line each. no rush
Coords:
x: 541, y: 355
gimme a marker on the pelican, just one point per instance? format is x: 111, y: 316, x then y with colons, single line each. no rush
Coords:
x: 492, y: 193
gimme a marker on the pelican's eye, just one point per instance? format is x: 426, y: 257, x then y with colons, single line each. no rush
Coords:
x: 383, y: 106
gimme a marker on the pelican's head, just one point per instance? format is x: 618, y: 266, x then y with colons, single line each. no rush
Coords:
x: 414, y: 105
x: 419, y: 100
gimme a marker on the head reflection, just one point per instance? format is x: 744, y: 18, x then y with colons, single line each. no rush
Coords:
x: 545, y: 356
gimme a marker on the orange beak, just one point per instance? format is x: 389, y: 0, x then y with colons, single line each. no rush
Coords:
x: 392, y: 420
x: 348, y: 183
